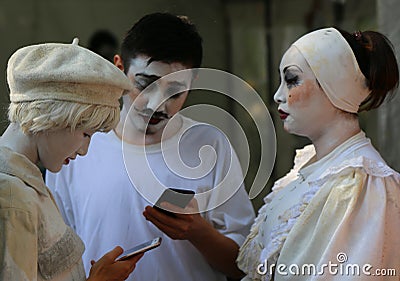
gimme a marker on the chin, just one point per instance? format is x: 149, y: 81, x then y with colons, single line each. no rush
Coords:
x: 288, y: 129
x: 152, y: 130
x: 297, y: 133
x: 54, y: 169
x: 293, y: 131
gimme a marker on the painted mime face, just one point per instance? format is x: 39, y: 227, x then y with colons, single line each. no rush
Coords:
x: 59, y: 147
x: 152, y: 110
x: 303, y: 106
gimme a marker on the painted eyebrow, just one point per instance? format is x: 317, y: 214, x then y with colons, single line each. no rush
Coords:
x: 286, y: 67
x: 152, y: 78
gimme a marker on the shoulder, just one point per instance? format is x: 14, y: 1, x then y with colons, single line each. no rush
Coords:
x: 360, y: 180
x: 200, y: 127
x: 200, y: 133
x: 359, y: 166
x: 15, y: 195
x: 19, y: 203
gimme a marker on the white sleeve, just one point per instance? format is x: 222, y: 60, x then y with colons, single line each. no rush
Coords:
x: 234, y: 217
x: 353, y: 221
x: 59, y: 185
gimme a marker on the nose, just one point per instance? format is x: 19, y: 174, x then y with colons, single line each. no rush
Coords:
x: 82, y: 151
x: 279, y: 96
x: 156, y: 101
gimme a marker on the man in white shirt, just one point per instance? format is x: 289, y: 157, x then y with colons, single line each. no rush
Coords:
x: 102, y: 196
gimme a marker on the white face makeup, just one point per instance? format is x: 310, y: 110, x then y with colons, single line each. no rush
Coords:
x: 303, y: 106
x: 59, y: 147
x: 152, y: 110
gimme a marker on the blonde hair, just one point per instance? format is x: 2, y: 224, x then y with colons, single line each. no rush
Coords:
x: 50, y: 115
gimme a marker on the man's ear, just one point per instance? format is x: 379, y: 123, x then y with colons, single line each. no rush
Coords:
x: 118, y: 62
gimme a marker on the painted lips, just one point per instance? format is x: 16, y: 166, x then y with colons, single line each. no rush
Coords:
x: 66, y: 161
x: 282, y: 114
x: 154, y: 119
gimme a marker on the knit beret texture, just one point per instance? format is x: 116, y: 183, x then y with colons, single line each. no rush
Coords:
x: 66, y: 72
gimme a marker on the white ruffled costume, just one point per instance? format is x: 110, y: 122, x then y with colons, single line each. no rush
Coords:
x: 342, y: 209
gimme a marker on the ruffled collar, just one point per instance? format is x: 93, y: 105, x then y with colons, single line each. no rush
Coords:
x: 253, y: 253
x: 309, y: 167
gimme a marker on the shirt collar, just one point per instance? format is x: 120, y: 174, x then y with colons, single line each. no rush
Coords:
x: 18, y: 165
x: 354, y: 142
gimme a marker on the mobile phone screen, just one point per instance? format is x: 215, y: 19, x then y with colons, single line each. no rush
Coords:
x: 144, y: 247
x: 175, y: 196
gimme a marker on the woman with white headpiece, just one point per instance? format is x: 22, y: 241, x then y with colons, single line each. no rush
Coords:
x: 61, y: 94
x: 335, y: 215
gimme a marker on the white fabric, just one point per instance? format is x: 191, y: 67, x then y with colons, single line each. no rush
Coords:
x: 99, y: 201
x: 36, y: 244
x: 335, y: 67
x: 347, y: 202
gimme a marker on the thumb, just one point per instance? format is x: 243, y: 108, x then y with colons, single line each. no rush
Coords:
x: 114, y: 253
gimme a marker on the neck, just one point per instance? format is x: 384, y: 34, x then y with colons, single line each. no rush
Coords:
x: 19, y: 142
x: 334, y: 134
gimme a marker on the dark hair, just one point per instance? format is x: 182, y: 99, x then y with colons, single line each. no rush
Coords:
x: 377, y: 61
x: 163, y: 37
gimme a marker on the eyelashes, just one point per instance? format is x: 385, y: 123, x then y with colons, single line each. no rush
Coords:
x: 140, y: 86
x: 292, y: 80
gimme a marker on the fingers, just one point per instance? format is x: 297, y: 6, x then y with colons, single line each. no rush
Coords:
x: 113, y: 254
x: 107, y: 268
x: 132, y: 261
x: 172, y: 208
x: 136, y: 258
x: 173, y: 227
x: 152, y: 213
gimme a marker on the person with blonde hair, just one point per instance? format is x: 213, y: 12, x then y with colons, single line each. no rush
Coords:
x: 130, y: 164
x: 61, y: 94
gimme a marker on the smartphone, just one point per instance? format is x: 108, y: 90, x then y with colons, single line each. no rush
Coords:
x: 144, y: 247
x: 175, y: 196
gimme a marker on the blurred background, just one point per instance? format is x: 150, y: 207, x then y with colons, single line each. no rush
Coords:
x: 244, y: 37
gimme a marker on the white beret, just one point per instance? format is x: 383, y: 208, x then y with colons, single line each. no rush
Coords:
x: 65, y: 72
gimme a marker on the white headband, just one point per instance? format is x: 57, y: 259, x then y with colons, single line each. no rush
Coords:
x: 335, y: 67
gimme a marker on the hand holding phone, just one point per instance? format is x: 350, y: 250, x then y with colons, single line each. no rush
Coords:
x: 144, y: 247
x: 175, y: 196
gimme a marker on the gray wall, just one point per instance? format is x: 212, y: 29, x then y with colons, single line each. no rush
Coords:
x: 389, y: 114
